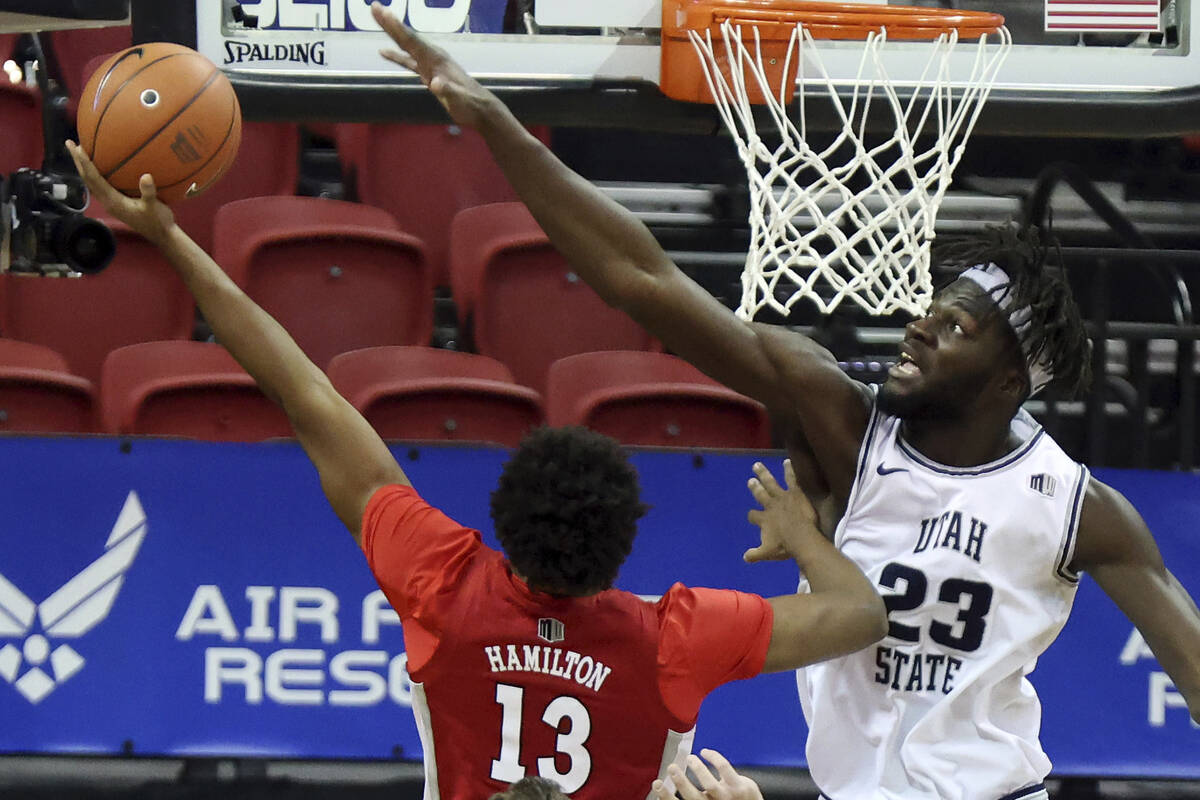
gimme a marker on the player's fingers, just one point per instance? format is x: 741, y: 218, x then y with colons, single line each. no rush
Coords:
x: 789, y: 474
x: 400, y: 57
x: 759, y: 491
x: 703, y: 775
x: 660, y: 791
x: 92, y: 178
x: 683, y: 787
x: 724, y: 768
x: 148, y: 189
x: 766, y: 478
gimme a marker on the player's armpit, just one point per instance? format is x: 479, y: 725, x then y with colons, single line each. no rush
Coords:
x: 1117, y: 549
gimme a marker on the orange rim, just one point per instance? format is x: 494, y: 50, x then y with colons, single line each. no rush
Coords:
x: 847, y: 20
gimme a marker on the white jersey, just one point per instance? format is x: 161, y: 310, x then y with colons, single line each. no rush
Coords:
x: 974, y: 567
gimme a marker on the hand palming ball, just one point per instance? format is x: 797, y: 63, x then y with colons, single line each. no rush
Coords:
x: 164, y: 109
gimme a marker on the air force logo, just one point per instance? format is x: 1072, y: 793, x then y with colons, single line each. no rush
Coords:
x: 38, y: 666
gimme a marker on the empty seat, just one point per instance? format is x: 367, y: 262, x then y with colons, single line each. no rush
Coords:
x: 138, y: 298
x: 423, y: 175
x: 525, y: 305
x: 20, y: 128
x: 267, y: 164
x: 80, y: 50
x: 431, y: 394
x: 652, y: 399
x: 39, y: 395
x: 189, y: 389
x: 339, y: 276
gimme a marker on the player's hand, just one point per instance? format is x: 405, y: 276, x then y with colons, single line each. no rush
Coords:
x: 146, y: 215
x: 729, y: 786
x: 463, y: 98
x: 785, y: 519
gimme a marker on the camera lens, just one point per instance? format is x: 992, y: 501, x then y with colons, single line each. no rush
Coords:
x: 84, y: 245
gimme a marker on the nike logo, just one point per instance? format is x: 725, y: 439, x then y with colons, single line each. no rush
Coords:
x: 882, y: 470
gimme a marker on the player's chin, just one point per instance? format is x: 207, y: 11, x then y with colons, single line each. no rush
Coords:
x: 900, y: 397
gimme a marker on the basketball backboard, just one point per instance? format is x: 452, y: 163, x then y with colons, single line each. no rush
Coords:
x: 567, y: 62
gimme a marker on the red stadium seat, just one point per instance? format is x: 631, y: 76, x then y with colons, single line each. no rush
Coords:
x: 423, y: 175
x: 190, y: 389
x: 339, y: 276
x: 138, y: 298
x: 20, y: 128
x: 652, y: 399
x: 526, y: 307
x: 430, y: 394
x: 80, y: 50
x: 39, y: 395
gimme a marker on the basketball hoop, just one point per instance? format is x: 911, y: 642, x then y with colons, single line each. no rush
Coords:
x: 856, y: 219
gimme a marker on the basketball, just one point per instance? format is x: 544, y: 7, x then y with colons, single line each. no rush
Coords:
x: 164, y: 109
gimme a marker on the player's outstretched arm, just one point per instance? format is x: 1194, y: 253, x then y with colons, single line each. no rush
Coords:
x: 349, y: 456
x: 617, y: 255
x: 1116, y: 548
x: 842, y: 613
x: 728, y: 785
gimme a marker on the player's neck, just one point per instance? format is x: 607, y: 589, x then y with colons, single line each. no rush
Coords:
x: 960, y: 443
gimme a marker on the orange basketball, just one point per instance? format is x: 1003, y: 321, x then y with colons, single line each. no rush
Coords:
x: 164, y: 109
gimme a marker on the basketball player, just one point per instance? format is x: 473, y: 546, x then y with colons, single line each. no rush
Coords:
x: 939, y: 486
x: 528, y: 662
x: 532, y: 788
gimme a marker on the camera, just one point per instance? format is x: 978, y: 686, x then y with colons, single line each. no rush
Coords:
x: 45, y: 229
x: 42, y: 227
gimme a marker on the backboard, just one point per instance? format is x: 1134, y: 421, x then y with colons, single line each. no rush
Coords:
x: 569, y: 62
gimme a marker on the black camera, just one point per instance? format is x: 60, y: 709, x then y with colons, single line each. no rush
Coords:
x: 46, y: 230
x: 42, y: 227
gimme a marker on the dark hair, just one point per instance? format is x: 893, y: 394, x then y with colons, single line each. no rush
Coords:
x: 566, y: 510
x: 531, y: 788
x: 1056, y: 333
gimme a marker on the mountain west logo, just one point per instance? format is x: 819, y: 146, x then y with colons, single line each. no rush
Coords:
x: 80, y: 605
x: 551, y: 630
x: 1043, y: 484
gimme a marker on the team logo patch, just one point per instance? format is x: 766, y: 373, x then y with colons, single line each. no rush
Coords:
x: 38, y: 667
x: 551, y: 630
x: 1043, y: 484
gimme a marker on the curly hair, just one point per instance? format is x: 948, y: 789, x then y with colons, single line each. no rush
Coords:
x: 566, y: 510
x: 531, y: 788
x: 1056, y: 334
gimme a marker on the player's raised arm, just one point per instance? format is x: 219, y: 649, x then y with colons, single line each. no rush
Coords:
x: 349, y: 456
x: 842, y: 613
x: 617, y: 255
x: 1116, y: 548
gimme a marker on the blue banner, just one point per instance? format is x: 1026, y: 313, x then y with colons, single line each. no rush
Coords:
x: 187, y: 598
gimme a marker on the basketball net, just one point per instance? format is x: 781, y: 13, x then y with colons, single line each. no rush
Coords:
x: 827, y: 226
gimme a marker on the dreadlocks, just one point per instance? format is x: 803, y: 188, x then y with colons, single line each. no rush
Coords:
x: 1055, y: 335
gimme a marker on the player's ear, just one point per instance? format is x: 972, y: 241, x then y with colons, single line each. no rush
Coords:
x: 1014, y: 382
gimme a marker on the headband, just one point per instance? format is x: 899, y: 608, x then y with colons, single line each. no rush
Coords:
x: 995, y: 282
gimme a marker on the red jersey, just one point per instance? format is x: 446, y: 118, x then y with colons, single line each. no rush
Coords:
x: 598, y: 693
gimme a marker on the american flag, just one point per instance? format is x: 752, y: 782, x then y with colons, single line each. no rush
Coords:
x: 1103, y: 15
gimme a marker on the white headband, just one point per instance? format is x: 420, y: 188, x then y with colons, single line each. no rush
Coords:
x: 994, y: 280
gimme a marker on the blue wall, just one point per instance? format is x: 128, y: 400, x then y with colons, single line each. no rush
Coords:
x: 113, y: 654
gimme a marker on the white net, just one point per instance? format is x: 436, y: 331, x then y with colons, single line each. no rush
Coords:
x: 853, y: 220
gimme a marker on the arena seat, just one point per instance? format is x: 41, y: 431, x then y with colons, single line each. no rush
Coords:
x: 80, y: 50
x: 431, y: 394
x: 20, y: 128
x: 39, y: 395
x: 423, y: 175
x: 520, y: 299
x: 339, y: 276
x: 655, y: 399
x: 189, y: 389
x: 138, y: 298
